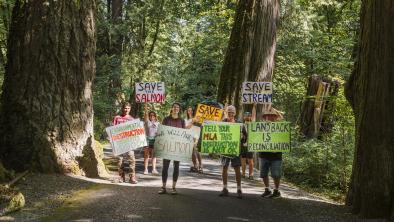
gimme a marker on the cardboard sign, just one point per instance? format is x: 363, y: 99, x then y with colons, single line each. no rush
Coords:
x: 256, y: 93
x: 206, y: 112
x: 127, y: 136
x: 269, y: 137
x: 149, y: 92
x: 221, y: 139
x: 174, y: 143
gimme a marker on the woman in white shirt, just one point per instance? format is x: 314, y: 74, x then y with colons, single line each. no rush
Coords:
x: 151, y: 125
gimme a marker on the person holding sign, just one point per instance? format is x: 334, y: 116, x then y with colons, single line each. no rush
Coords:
x: 191, y: 123
x: 271, y: 160
x: 245, y: 155
x: 234, y: 160
x: 151, y: 125
x: 126, y: 160
x: 173, y: 120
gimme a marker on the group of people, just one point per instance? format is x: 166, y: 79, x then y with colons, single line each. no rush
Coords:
x: 268, y: 161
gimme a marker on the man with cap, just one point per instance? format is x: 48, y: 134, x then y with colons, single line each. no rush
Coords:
x: 271, y: 160
x: 245, y: 155
x: 234, y: 160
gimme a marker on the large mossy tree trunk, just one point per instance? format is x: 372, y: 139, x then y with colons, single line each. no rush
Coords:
x: 370, y: 93
x: 251, y: 50
x: 47, y: 116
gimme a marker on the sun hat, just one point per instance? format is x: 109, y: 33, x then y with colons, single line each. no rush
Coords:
x: 231, y: 108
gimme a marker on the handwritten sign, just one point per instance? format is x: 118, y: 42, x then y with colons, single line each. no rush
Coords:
x: 174, y: 143
x: 269, y: 137
x: 149, y: 92
x: 206, y: 112
x: 221, y: 138
x: 127, y: 136
x: 256, y: 92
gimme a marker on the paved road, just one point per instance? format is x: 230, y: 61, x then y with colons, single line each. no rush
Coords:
x: 197, y: 200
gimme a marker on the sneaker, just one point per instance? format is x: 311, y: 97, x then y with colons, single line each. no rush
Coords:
x: 173, y: 191
x: 239, y: 194
x: 243, y: 176
x: 162, y: 191
x: 266, y: 193
x: 146, y: 172
x: 251, y: 178
x: 154, y: 172
x: 224, y: 193
x: 275, y: 194
x: 133, y: 181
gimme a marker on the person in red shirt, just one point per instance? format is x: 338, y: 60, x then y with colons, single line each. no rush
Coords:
x: 127, y: 158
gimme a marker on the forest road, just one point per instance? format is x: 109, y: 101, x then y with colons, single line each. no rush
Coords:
x: 197, y: 200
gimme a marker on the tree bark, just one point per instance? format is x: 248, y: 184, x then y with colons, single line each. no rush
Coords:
x: 251, y: 50
x: 47, y: 122
x: 370, y: 92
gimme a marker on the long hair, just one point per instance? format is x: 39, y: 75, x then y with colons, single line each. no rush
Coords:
x: 187, y: 112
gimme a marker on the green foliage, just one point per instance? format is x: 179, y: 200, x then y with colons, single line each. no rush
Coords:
x: 325, y: 164
x: 317, y: 37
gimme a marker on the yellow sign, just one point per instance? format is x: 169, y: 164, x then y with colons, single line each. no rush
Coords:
x: 205, y: 112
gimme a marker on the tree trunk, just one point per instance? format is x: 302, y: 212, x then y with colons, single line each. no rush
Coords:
x: 251, y: 50
x: 318, y: 107
x: 370, y: 92
x: 115, y: 54
x: 47, y: 122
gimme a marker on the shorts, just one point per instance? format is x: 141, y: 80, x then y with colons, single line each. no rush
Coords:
x: 235, y: 161
x: 274, y: 165
x: 248, y: 155
x: 151, y: 143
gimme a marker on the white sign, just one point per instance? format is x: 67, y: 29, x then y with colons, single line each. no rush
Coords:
x: 174, y: 143
x: 127, y: 136
x: 257, y: 92
x: 149, y: 92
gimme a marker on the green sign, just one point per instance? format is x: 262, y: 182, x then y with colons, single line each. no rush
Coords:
x: 221, y: 138
x: 269, y: 137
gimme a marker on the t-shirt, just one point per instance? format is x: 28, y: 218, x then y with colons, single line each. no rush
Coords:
x: 178, y: 122
x: 121, y: 119
x: 188, y: 122
x: 151, y: 128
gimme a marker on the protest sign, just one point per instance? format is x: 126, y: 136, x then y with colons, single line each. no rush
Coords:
x: 174, y: 143
x: 256, y: 92
x: 205, y: 112
x: 269, y: 137
x: 127, y: 136
x: 149, y: 92
x: 221, y: 138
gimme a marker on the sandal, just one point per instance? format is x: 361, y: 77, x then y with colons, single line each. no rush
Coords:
x: 200, y: 170
x: 193, y: 169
